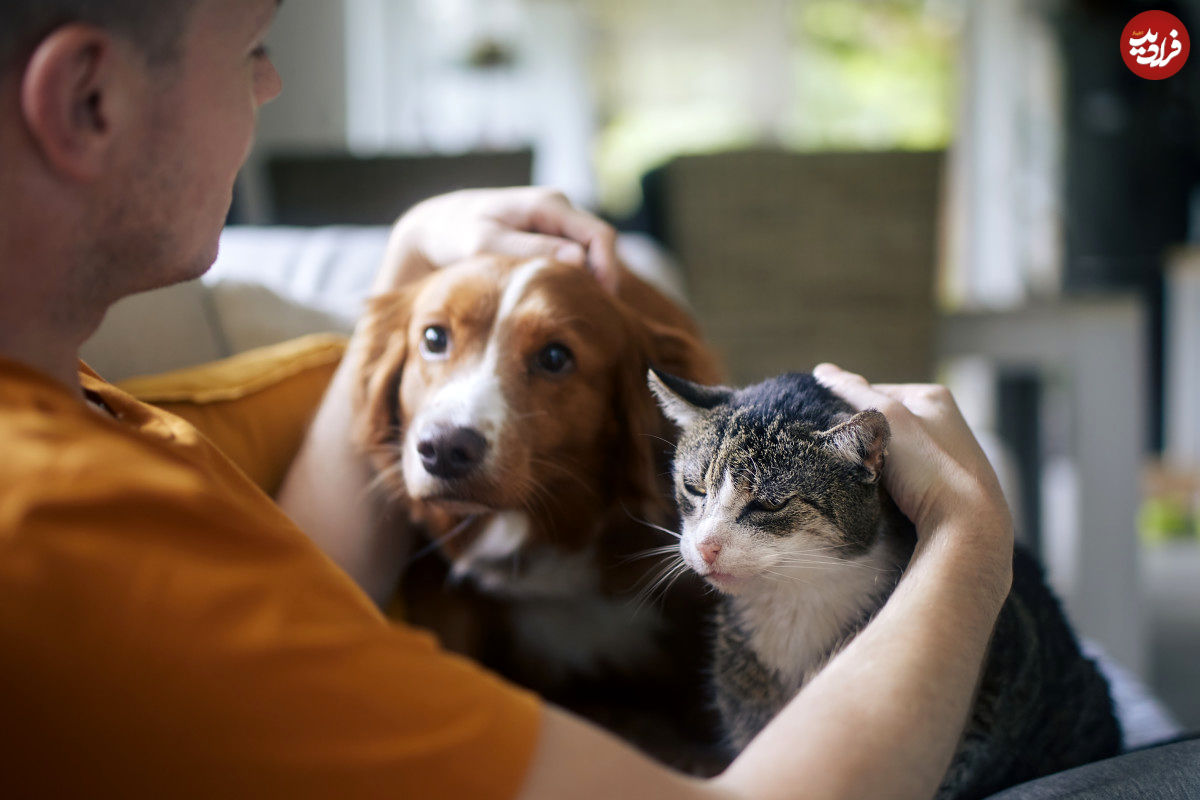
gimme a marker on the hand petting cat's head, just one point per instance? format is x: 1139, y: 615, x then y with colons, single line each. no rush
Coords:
x: 772, y: 481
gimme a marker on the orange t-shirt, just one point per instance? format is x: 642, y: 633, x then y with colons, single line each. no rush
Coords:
x: 166, y: 631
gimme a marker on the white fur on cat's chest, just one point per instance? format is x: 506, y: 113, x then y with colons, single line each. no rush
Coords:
x: 793, y: 625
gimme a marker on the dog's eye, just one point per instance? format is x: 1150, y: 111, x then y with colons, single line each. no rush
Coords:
x: 435, y: 340
x: 554, y: 359
x: 765, y: 505
x: 693, y: 489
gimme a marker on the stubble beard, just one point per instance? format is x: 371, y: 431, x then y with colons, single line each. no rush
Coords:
x: 144, y: 242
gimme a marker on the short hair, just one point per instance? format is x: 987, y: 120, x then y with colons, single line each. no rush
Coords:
x: 154, y: 26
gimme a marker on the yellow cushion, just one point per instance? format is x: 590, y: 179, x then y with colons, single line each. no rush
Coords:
x: 255, y: 406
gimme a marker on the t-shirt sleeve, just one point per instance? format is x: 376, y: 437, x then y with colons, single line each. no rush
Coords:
x: 159, y: 640
x: 255, y: 407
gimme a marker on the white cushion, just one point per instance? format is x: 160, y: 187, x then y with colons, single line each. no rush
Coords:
x: 154, y: 332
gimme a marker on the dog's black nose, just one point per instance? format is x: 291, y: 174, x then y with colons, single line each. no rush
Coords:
x: 451, y: 452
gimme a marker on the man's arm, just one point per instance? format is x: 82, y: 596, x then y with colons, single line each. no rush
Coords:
x: 882, y: 720
x: 327, y: 492
x: 327, y: 489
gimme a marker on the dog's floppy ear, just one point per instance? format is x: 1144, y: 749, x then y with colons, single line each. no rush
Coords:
x: 671, y: 340
x: 645, y: 448
x: 680, y: 353
x: 377, y: 393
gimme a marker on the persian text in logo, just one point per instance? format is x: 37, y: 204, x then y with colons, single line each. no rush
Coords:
x: 1155, y: 45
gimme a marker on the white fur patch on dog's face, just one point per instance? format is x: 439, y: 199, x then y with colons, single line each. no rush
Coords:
x: 474, y: 395
x: 512, y: 407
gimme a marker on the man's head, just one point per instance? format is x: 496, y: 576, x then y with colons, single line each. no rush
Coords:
x: 123, y: 124
x: 155, y: 27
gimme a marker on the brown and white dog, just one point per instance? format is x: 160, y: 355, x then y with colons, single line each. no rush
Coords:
x: 504, y: 409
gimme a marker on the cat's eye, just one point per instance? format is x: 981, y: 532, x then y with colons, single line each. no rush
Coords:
x: 759, y: 504
x: 435, y: 340
x: 693, y: 489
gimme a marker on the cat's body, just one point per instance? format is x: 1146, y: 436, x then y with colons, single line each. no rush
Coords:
x: 783, y: 512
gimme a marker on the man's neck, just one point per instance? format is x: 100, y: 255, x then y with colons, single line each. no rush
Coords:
x: 44, y: 329
x: 50, y: 304
x: 57, y: 359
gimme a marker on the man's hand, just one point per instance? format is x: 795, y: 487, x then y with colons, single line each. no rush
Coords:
x: 935, y: 470
x: 524, y: 222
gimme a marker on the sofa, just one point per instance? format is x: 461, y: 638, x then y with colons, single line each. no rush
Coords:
x: 272, y: 284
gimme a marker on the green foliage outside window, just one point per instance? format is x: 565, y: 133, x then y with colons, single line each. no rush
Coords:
x: 863, y: 75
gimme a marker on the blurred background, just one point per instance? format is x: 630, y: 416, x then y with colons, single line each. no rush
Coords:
x: 975, y: 191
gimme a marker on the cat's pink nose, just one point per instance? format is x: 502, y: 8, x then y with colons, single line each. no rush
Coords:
x: 709, y: 550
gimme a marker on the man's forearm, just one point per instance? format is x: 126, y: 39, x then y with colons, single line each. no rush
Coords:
x: 883, y: 719
x: 327, y: 493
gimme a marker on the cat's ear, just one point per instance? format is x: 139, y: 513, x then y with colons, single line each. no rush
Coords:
x: 683, y: 401
x: 862, y: 441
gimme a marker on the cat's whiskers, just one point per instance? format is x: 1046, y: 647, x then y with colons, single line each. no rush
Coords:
x: 824, y: 556
x: 445, y: 537
x: 666, y: 549
x: 665, y: 441
x: 830, y: 563
x: 786, y: 559
x: 678, y: 574
x: 809, y: 558
x: 385, y: 477
x: 650, y: 524
x: 663, y: 579
x: 780, y: 577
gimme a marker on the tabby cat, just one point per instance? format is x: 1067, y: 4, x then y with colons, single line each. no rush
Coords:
x: 783, y: 512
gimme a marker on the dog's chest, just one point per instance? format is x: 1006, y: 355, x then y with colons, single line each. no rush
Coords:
x: 585, y: 636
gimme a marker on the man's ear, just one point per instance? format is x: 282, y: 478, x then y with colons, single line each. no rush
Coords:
x: 377, y: 418
x: 860, y: 441
x: 682, y: 400
x: 75, y: 93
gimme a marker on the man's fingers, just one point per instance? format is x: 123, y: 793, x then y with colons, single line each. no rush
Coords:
x: 931, y: 394
x: 597, y: 236
x: 852, y: 388
x: 533, y: 245
x: 523, y: 222
x: 553, y: 214
x: 929, y: 402
x: 601, y: 241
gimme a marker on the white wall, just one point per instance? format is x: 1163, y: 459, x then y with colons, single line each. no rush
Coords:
x: 377, y: 76
x: 308, y: 46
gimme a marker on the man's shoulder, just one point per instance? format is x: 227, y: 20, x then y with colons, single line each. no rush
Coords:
x: 59, y: 451
x: 66, y: 449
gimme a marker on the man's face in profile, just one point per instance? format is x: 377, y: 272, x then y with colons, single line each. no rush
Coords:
x: 197, y: 125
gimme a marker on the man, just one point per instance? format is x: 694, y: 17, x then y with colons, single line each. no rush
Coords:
x: 169, y: 631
